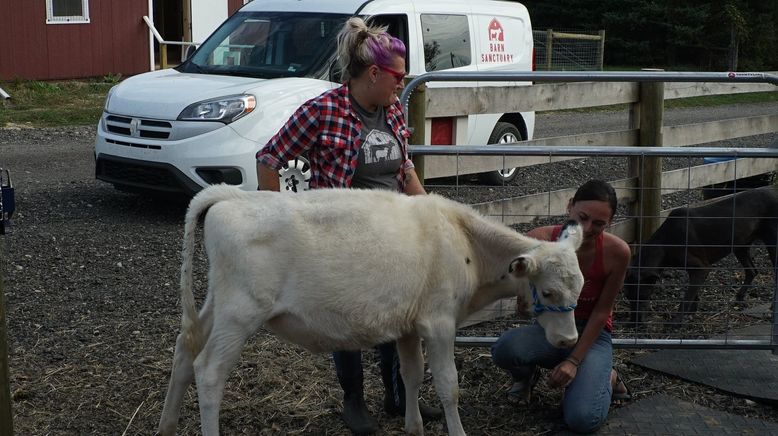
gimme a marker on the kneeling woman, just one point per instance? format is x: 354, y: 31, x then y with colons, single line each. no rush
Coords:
x: 585, y: 370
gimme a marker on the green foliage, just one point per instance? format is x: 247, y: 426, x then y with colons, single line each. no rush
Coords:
x: 44, y: 88
x: 40, y: 104
x: 695, y: 34
x: 112, y: 78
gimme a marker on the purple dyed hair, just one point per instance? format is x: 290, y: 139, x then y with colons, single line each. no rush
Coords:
x: 360, y: 46
x: 384, y: 48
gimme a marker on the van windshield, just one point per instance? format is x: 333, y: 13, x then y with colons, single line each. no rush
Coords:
x: 269, y: 45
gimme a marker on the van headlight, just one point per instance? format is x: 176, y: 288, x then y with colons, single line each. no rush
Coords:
x: 225, y: 109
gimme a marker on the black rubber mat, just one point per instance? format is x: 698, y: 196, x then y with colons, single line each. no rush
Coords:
x: 749, y: 373
x: 664, y: 415
x: 760, y: 311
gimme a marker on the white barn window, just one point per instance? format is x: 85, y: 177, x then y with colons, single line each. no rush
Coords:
x: 67, y: 11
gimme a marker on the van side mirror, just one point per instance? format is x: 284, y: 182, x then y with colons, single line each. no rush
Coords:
x: 335, y: 72
x: 190, y: 49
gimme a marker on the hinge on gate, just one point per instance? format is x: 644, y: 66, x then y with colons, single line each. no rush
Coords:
x: 7, y: 201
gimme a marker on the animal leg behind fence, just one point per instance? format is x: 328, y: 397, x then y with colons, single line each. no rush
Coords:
x: 743, y: 254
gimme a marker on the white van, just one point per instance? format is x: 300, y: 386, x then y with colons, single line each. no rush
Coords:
x: 178, y: 130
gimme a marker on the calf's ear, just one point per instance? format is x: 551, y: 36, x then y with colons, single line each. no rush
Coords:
x: 572, y: 234
x: 521, y: 266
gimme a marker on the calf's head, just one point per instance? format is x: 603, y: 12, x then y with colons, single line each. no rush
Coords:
x: 555, y: 283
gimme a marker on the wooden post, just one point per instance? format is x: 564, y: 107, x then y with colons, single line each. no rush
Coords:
x: 648, y: 169
x: 187, y: 21
x: 633, y: 171
x: 417, y: 108
x: 162, y: 56
x: 601, y: 57
x: 733, y: 48
x: 6, y: 417
x: 549, y: 48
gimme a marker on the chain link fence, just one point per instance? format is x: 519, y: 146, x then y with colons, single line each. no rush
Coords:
x: 569, y: 50
x: 671, y: 298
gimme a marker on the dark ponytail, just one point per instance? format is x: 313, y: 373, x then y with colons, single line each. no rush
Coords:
x: 597, y: 190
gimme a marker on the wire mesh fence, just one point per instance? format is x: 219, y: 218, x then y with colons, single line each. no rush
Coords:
x: 569, y: 50
x: 690, y: 270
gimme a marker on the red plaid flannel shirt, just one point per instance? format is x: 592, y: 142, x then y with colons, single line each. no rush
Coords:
x: 327, y: 127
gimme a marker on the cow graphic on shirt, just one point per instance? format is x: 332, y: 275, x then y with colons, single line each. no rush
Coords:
x: 380, y: 146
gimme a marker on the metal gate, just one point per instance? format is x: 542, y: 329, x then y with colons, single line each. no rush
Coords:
x: 720, y: 320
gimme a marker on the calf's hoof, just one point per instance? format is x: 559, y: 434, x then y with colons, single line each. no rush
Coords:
x: 428, y: 413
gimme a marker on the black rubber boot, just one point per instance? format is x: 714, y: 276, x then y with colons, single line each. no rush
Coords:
x: 428, y: 413
x: 356, y: 416
x: 394, y: 388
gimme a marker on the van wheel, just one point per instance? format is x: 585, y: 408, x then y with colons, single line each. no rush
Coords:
x: 295, y: 175
x: 503, y: 134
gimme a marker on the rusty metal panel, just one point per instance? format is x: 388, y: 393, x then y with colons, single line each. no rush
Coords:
x: 115, y: 41
x: 233, y: 6
x: 5, y: 48
x: 23, y: 40
x: 68, y: 54
x: 130, y: 51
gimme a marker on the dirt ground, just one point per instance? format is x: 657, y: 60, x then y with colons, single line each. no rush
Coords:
x: 91, y: 286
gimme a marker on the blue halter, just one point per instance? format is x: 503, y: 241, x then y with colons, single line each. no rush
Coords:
x: 540, y: 308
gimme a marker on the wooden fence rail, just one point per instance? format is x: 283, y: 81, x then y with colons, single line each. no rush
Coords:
x: 645, y: 101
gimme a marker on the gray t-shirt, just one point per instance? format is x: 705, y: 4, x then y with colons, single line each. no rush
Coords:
x: 379, y: 157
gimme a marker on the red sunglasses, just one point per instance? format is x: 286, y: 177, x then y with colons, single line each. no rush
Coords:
x: 398, y: 75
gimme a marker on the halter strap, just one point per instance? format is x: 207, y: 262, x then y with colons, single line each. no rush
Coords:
x: 540, y: 308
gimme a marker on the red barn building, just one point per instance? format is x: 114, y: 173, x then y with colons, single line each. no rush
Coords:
x: 66, y: 39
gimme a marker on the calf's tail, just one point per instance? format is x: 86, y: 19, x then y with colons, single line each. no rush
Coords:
x: 190, y: 328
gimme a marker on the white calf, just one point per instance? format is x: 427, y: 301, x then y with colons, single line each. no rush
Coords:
x: 348, y: 269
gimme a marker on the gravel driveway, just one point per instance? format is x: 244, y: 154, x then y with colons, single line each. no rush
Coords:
x: 91, y: 284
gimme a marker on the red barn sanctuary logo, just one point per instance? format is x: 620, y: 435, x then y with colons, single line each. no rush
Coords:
x: 496, y: 50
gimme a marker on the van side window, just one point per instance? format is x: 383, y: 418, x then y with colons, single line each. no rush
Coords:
x: 446, y: 41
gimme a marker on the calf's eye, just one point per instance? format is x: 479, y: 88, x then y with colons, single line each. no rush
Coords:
x: 547, y: 294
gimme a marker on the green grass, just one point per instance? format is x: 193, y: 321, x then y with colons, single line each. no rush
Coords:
x: 718, y: 100
x: 80, y: 102
x: 705, y: 101
x: 48, y: 104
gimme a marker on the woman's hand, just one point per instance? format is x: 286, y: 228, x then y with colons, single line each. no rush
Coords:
x: 563, y: 374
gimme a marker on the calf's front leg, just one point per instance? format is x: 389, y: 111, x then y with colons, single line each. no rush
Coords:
x: 412, y: 372
x: 440, y: 349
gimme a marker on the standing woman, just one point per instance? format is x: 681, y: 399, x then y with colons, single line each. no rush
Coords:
x: 585, y: 370
x: 355, y: 137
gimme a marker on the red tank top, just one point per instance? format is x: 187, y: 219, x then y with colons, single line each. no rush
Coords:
x: 594, y: 280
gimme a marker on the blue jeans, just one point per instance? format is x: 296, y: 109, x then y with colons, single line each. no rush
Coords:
x: 587, y: 398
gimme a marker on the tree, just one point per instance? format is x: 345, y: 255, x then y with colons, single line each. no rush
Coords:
x: 697, y: 34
